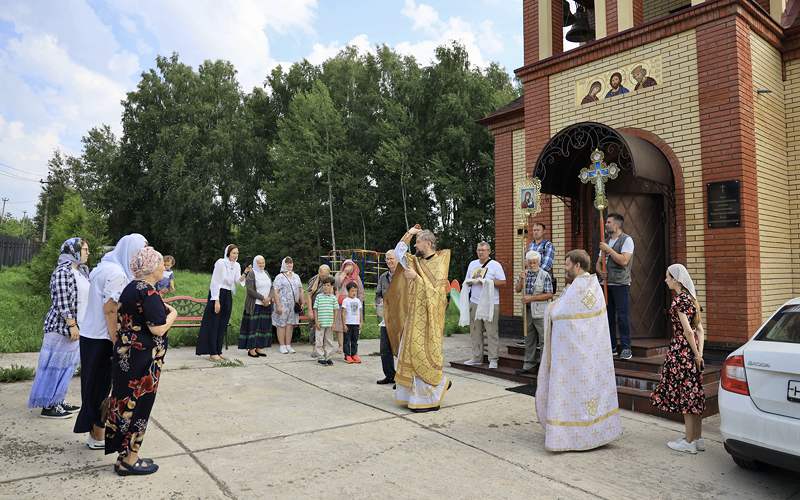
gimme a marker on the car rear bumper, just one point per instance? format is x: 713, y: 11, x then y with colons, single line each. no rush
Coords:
x: 752, y: 434
x: 760, y: 454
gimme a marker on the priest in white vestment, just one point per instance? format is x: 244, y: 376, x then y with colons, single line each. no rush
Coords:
x: 576, y: 393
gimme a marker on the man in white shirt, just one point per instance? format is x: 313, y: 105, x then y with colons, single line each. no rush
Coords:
x: 617, y: 251
x: 480, y: 273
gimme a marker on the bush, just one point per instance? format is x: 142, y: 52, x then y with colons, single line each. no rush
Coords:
x: 73, y: 220
x: 16, y: 373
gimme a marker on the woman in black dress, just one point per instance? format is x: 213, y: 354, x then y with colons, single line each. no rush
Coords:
x: 681, y: 387
x: 139, y: 352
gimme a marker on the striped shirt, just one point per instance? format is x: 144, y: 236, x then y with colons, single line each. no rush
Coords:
x: 325, y: 305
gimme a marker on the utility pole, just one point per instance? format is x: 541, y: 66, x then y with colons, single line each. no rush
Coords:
x: 46, y: 206
x: 3, y: 213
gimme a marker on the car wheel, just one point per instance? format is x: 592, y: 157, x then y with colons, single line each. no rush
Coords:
x: 746, y: 464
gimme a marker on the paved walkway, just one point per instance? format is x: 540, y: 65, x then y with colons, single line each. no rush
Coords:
x: 285, y: 427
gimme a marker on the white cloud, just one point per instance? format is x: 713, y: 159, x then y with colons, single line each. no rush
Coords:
x: 321, y: 52
x: 234, y: 30
x: 477, y: 42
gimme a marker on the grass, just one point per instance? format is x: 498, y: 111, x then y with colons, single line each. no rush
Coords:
x: 22, y: 310
x: 16, y: 373
x: 228, y: 363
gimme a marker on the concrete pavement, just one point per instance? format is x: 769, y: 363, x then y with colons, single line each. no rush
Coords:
x: 285, y: 427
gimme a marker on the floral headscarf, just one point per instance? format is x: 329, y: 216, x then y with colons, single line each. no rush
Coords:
x: 145, y: 262
x: 70, y: 251
x: 353, y: 275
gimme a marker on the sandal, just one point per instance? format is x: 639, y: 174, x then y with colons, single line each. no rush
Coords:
x: 139, y: 468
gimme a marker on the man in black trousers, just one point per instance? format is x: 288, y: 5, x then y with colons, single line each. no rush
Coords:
x: 385, y: 279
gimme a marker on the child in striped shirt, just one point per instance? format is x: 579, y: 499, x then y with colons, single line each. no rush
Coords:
x: 326, y: 307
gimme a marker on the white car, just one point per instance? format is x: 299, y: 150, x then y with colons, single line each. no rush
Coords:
x: 759, y: 396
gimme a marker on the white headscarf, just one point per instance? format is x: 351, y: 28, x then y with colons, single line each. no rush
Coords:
x: 127, y: 247
x: 263, y: 280
x: 228, y: 263
x: 284, y: 267
x: 681, y: 275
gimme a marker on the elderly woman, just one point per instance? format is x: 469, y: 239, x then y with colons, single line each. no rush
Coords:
x: 538, y: 293
x: 349, y: 273
x: 98, y: 333
x: 227, y: 272
x: 314, y: 288
x: 680, y: 389
x: 69, y: 293
x: 289, y: 301
x: 139, y: 352
x: 255, y: 332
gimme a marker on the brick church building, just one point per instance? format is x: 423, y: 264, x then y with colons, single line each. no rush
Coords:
x: 698, y: 102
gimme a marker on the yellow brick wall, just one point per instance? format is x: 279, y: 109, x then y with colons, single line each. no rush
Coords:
x: 773, y: 178
x: 792, y: 99
x: 518, y: 159
x: 657, y: 8
x: 559, y: 238
x: 669, y: 110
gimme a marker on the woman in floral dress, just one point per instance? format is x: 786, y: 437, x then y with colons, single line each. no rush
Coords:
x: 289, y: 304
x: 139, y: 352
x: 681, y: 387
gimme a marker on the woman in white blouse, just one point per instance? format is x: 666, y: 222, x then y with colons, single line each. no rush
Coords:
x: 227, y: 273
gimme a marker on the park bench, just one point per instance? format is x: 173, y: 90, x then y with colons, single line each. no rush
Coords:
x: 190, y: 312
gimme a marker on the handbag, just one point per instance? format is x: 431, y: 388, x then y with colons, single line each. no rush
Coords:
x: 297, y: 307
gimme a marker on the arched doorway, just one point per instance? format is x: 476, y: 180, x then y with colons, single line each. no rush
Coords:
x: 643, y: 193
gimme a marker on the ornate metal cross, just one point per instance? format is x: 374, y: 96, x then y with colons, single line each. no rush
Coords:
x: 599, y: 172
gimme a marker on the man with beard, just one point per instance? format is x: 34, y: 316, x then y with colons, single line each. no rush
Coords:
x: 576, y: 394
x: 414, y: 314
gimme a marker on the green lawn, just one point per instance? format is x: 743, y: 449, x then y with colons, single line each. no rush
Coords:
x: 22, y: 311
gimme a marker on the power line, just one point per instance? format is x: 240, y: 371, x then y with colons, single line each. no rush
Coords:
x: 18, y: 177
x: 18, y: 169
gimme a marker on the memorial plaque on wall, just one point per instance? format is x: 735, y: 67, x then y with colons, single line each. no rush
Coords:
x: 724, y: 206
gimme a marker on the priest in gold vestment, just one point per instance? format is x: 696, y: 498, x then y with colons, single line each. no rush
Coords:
x: 414, y: 313
x: 576, y: 393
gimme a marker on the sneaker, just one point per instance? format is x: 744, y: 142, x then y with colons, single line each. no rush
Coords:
x: 682, y: 446
x: 283, y: 350
x: 472, y: 362
x: 626, y: 354
x: 614, y: 352
x: 349, y: 360
x: 322, y: 362
x: 56, y: 411
x: 329, y: 362
x: 493, y: 364
x: 700, y: 443
x: 69, y: 407
x: 356, y: 358
x: 94, y: 444
x: 290, y: 350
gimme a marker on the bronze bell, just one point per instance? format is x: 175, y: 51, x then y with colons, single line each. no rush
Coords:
x: 569, y: 19
x: 583, y: 28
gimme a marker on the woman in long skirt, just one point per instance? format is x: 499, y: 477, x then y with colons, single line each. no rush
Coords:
x: 139, y: 353
x: 217, y: 314
x: 59, y: 355
x: 255, y: 331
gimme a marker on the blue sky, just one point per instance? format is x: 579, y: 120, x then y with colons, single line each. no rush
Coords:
x: 67, y: 64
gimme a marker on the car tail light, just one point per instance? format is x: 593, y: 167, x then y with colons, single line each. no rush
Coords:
x: 734, y: 378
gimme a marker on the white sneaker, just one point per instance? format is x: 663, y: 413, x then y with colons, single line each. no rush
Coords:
x: 493, y: 364
x: 94, y: 444
x: 683, y: 446
x: 290, y: 350
x: 472, y: 362
x: 700, y: 443
x: 283, y: 350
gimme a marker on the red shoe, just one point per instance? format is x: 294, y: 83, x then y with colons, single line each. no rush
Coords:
x: 356, y: 358
x: 349, y: 360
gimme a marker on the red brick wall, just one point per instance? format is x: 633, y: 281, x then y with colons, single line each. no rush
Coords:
x: 611, y: 17
x: 727, y: 140
x: 638, y: 12
x: 530, y: 31
x: 558, y: 31
x: 504, y: 214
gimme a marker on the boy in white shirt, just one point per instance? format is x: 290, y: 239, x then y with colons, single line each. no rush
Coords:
x: 351, y: 308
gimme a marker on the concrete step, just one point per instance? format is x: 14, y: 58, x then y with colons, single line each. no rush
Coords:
x: 638, y: 400
x: 502, y: 371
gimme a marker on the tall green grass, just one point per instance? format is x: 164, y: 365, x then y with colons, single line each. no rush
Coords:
x: 22, y: 311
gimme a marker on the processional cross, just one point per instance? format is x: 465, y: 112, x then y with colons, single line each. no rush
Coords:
x: 598, y: 173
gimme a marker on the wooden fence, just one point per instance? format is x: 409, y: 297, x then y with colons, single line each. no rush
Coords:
x: 16, y: 251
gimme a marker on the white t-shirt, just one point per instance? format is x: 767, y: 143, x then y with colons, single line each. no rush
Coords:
x: 107, y: 282
x: 82, y: 286
x: 352, y: 311
x: 627, y: 247
x: 494, y: 272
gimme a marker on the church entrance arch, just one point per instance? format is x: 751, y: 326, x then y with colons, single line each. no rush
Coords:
x: 643, y: 193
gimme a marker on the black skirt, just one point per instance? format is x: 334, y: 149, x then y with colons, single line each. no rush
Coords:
x: 255, y: 331
x: 214, y: 326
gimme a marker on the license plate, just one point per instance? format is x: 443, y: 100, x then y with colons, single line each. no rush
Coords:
x: 793, y: 393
